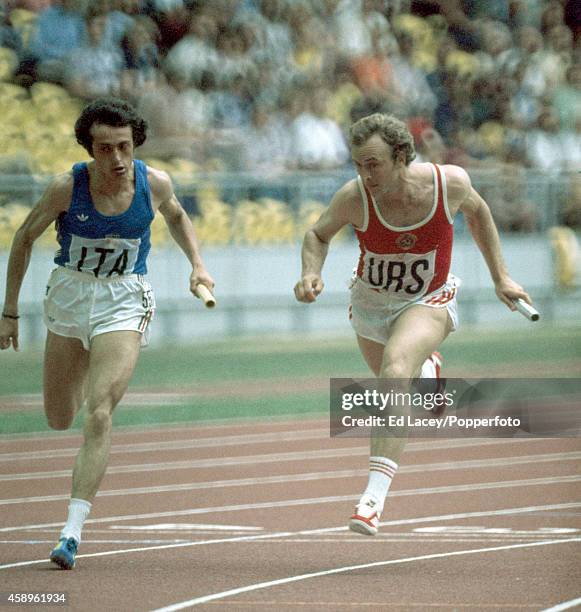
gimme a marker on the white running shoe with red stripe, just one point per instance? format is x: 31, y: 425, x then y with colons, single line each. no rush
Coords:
x: 365, y: 519
x: 432, y: 366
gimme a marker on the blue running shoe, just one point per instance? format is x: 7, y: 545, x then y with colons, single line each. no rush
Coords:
x: 64, y: 553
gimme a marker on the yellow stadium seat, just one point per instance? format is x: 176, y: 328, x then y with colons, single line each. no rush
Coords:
x: 566, y: 256
x: 8, y: 63
x: 12, y: 94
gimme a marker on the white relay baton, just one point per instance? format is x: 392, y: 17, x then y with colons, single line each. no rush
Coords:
x: 532, y: 314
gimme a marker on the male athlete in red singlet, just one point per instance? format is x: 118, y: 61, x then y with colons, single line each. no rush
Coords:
x: 403, y: 297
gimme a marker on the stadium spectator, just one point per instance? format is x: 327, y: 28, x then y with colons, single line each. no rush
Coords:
x: 356, y: 24
x: 553, y: 15
x: 178, y: 117
x: 374, y: 73
x: 507, y: 196
x: 35, y: 6
x: 232, y: 103
x: 544, y: 142
x: 496, y: 10
x: 94, y: 69
x: 454, y: 112
x: 529, y: 42
x: 141, y: 56
x: 344, y: 93
x: 496, y: 40
x: 416, y: 97
x: 526, y: 13
x: 60, y: 30
x: 571, y: 213
x: 557, y: 56
x: 463, y: 30
x: 437, y: 77
x: 9, y: 36
x: 572, y: 18
x: 233, y: 58
x: 311, y: 44
x: 317, y: 141
x: 567, y: 98
x: 196, y: 52
x: 265, y: 142
x: 274, y: 33
x: 572, y: 146
x: 117, y: 21
x: 174, y: 20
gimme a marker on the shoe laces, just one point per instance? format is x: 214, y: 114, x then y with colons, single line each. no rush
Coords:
x: 71, y: 545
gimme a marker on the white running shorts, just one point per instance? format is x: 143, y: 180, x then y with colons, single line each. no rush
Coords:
x: 78, y: 305
x: 372, y: 314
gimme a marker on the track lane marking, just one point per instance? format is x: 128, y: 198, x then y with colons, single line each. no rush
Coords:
x: 286, y: 534
x: 249, y: 439
x: 286, y: 478
x: 348, y: 568
x: 566, y: 605
x: 302, y: 456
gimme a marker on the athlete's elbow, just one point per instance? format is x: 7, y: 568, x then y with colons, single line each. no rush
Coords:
x: 315, y: 236
x: 23, y: 238
x: 176, y: 218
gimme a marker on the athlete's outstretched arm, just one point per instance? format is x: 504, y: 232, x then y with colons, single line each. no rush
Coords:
x: 55, y: 200
x: 317, y: 239
x: 483, y: 229
x: 180, y: 227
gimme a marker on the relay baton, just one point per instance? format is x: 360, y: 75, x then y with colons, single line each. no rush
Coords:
x: 203, y: 293
x: 526, y: 310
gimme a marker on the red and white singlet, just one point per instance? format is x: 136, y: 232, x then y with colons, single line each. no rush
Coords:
x: 406, y: 263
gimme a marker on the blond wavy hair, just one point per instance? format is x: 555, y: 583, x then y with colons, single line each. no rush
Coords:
x: 391, y: 130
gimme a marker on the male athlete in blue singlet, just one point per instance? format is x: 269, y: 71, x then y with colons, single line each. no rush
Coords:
x: 98, y: 303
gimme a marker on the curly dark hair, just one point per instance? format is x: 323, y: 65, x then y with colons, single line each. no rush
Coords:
x: 392, y: 131
x: 113, y: 112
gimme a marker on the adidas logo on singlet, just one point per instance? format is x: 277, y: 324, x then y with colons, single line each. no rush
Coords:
x: 82, y: 218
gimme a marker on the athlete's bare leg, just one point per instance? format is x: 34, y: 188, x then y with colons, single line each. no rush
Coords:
x: 66, y: 364
x: 414, y: 336
x: 113, y: 357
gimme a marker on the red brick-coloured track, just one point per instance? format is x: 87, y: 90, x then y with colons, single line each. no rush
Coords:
x: 253, y: 516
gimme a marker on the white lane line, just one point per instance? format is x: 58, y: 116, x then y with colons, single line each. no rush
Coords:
x: 283, y: 534
x: 258, y: 506
x: 303, y: 456
x: 160, y: 527
x: 566, y: 605
x: 203, y: 463
x: 286, y: 478
x: 249, y: 439
x: 214, y: 442
x: 349, y: 568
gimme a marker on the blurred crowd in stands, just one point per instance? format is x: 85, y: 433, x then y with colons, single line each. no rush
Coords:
x: 272, y: 85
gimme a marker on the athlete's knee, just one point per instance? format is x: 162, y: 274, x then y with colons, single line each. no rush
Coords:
x: 396, y: 366
x: 98, y: 422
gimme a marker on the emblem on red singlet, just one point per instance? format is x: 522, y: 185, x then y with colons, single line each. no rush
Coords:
x: 406, y: 241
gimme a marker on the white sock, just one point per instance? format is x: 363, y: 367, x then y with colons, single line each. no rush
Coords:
x: 381, y: 473
x: 428, y: 369
x: 78, y: 512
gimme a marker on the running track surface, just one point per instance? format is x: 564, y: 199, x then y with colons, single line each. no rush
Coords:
x: 253, y: 516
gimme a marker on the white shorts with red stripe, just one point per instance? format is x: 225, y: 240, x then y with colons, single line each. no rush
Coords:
x: 372, y: 314
x: 78, y: 305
